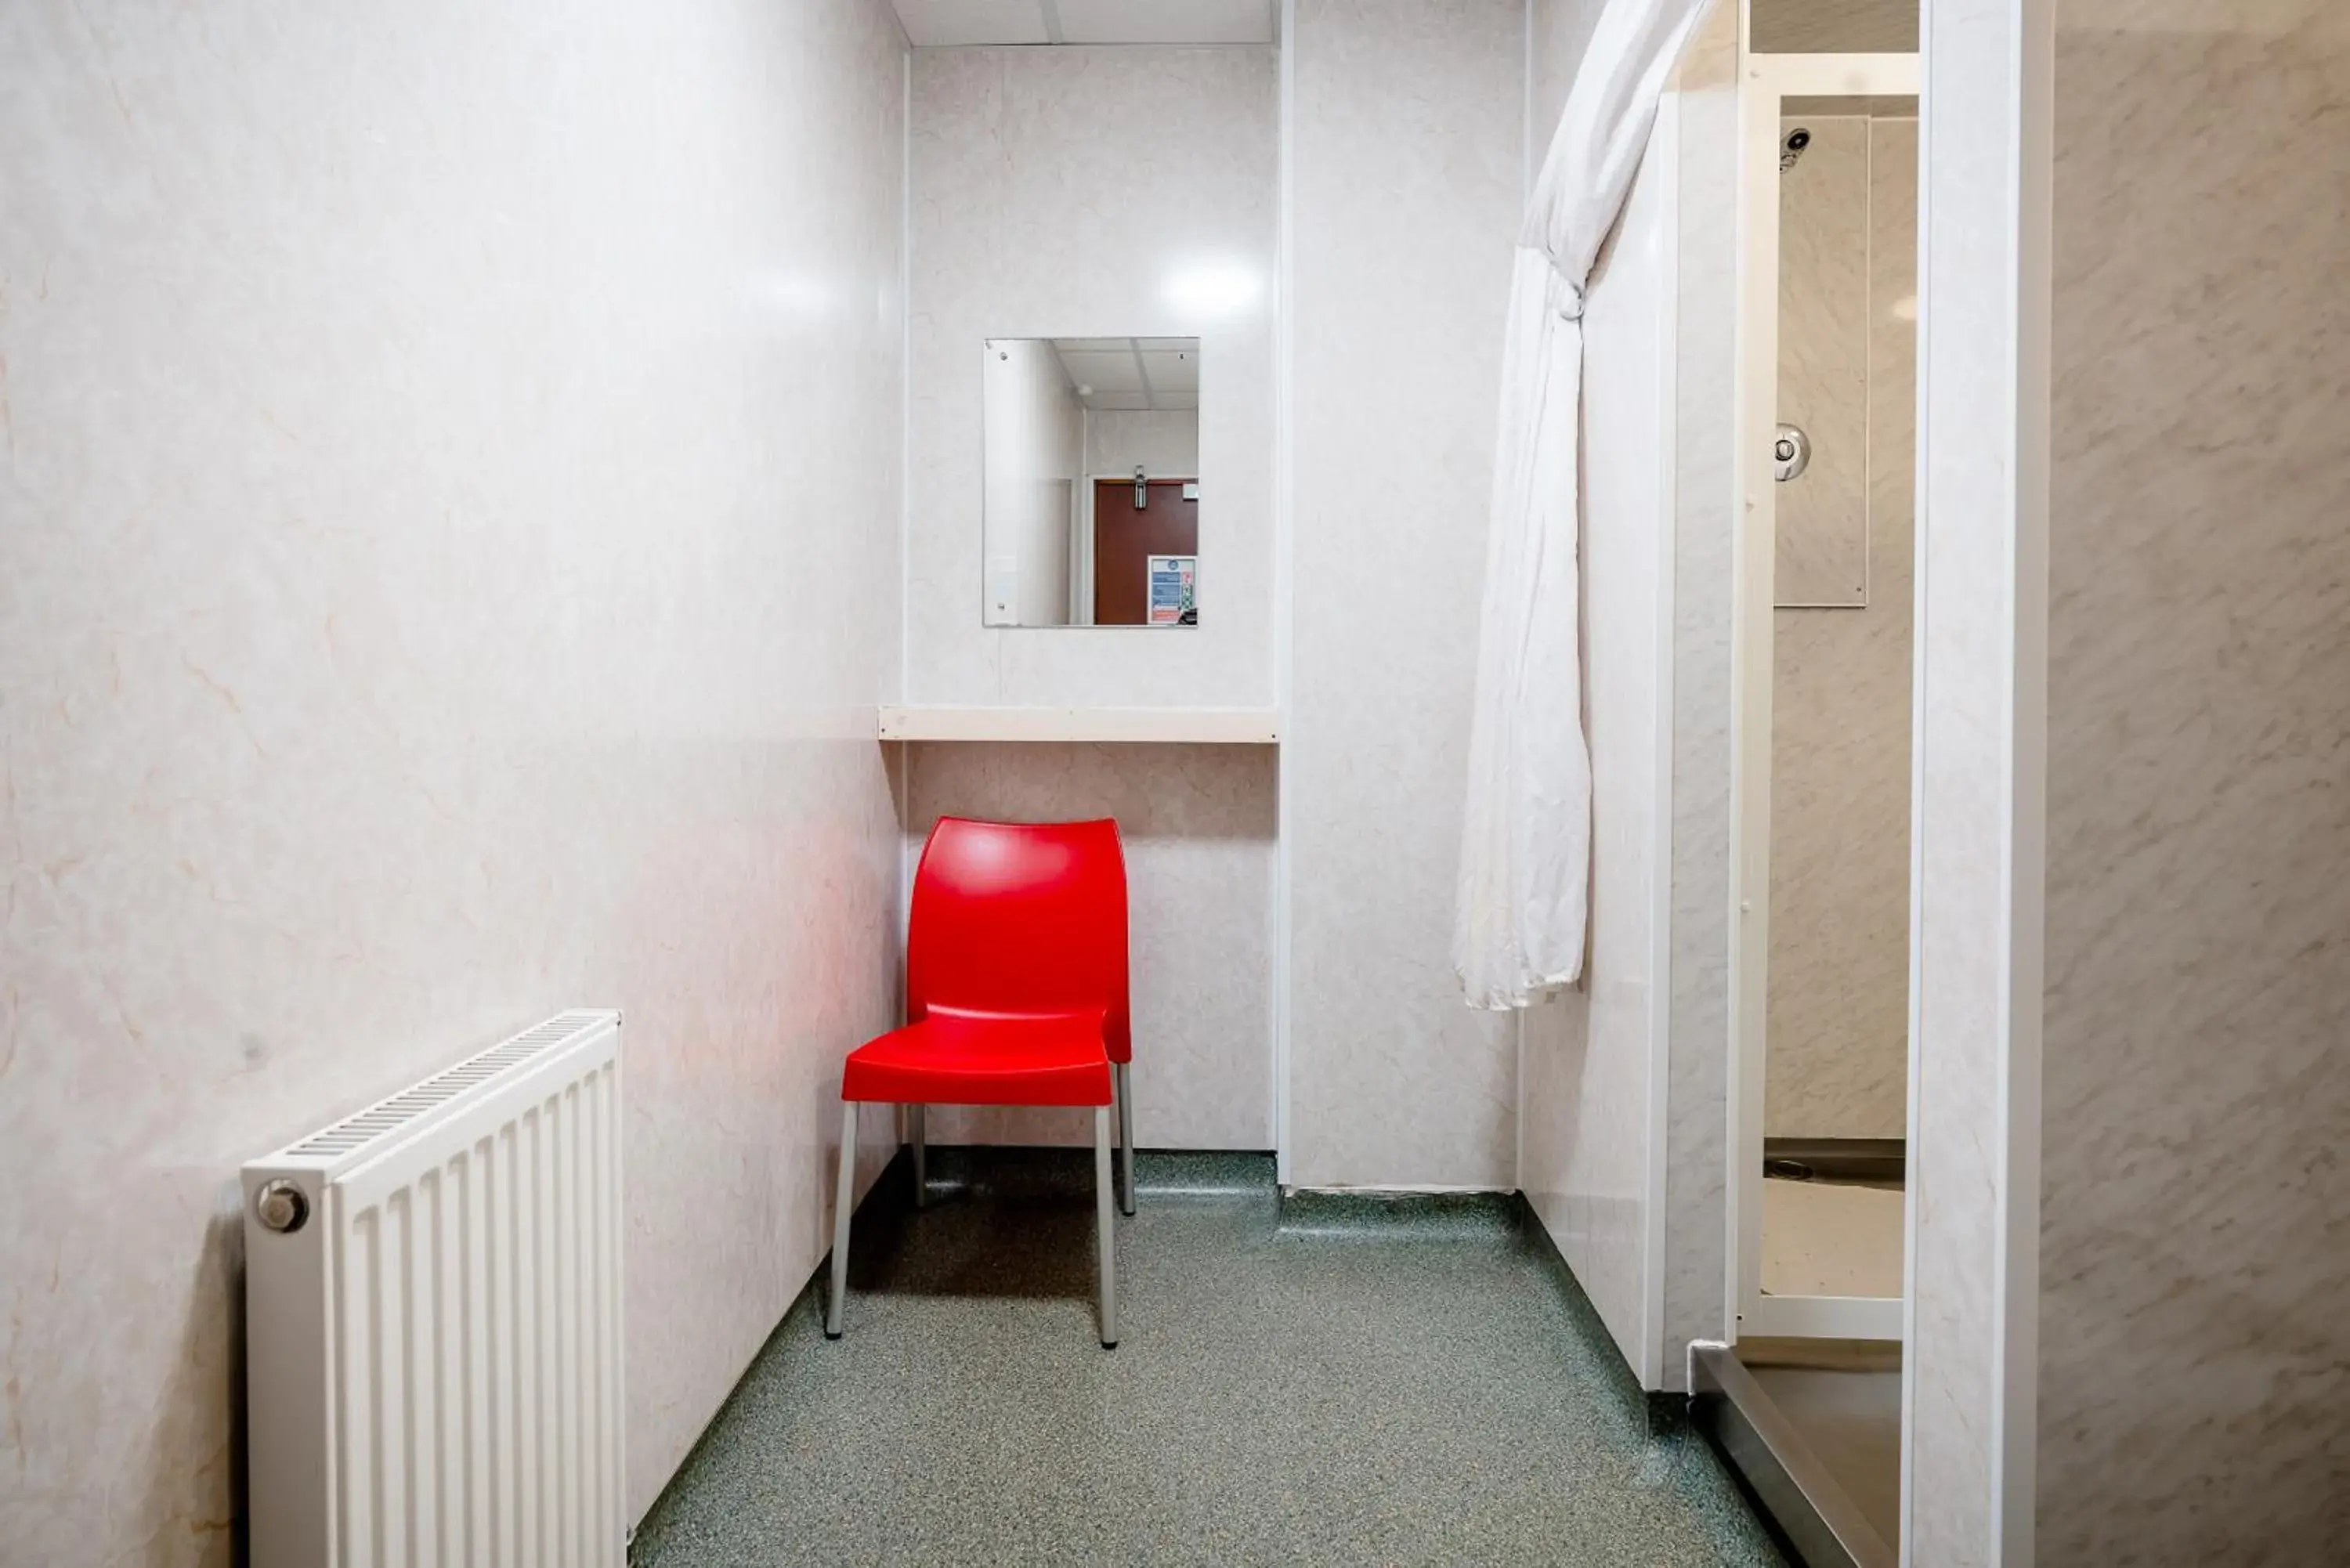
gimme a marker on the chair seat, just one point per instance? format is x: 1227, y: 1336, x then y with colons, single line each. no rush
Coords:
x: 958, y: 1057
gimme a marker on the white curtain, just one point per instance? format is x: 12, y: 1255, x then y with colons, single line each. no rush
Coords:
x: 1526, y: 838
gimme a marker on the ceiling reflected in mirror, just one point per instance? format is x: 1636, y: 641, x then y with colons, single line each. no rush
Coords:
x: 950, y: 23
x: 1131, y: 374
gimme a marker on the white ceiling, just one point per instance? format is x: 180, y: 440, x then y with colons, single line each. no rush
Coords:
x: 937, y: 23
x: 1132, y: 373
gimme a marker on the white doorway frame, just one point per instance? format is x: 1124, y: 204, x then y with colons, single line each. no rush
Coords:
x: 1764, y: 82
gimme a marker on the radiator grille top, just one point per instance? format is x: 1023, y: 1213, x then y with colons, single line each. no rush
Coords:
x: 404, y: 1110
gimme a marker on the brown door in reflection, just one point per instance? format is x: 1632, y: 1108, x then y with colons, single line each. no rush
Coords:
x: 1124, y: 539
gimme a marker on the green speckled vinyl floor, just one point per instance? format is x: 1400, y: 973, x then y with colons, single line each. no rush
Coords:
x: 1361, y: 1384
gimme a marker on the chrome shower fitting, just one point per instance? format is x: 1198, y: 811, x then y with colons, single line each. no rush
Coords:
x: 1791, y: 453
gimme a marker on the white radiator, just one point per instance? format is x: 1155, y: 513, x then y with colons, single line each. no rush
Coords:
x: 433, y: 1320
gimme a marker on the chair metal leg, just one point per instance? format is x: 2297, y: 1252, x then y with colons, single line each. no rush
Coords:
x: 843, y: 1201
x: 918, y: 1123
x: 1126, y: 1129
x: 1106, y: 1261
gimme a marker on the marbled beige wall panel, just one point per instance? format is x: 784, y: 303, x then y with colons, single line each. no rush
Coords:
x: 1839, y: 975
x: 1821, y: 513
x: 1834, y: 26
x: 2195, y: 1206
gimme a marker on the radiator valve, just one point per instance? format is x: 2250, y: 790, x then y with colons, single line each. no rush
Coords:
x: 281, y: 1207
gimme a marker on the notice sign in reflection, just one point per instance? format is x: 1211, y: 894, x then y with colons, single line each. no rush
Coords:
x: 1174, y: 582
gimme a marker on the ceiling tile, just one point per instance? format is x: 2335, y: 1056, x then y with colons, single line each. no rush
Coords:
x: 1171, y: 372
x: 1167, y: 21
x: 1105, y: 373
x: 944, y: 23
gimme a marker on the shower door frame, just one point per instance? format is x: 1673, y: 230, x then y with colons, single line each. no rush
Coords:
x: 1764, y: 82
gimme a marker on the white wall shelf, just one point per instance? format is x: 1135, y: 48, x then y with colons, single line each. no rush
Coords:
x: 1191, y: 726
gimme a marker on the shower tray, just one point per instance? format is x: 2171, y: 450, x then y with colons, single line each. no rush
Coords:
x: 1814, y: 1427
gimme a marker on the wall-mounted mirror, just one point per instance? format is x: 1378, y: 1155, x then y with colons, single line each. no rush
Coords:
x: 1090, y: 503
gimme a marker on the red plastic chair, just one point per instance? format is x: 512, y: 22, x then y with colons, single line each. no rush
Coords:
x: 1015, y: 995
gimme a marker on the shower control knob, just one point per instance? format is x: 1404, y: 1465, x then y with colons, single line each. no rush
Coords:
x: 1791, y: 453
x: 281, y: 1207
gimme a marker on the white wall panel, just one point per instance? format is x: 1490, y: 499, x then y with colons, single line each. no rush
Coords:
x: 1085, y: 193
x: 1592, y: 1066
x: 1408, y: 126
x: 1092, y: 193
x: 451, y: 495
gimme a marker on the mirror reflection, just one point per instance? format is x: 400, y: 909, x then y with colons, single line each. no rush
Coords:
x: 1091, y: 510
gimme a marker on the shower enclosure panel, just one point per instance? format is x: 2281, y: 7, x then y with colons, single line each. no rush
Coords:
x: 1829, y: 544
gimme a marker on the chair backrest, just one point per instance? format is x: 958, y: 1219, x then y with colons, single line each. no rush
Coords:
x: 1020, y: 917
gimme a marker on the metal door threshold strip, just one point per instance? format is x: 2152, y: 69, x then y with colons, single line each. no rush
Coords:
x: 1818, y: 1516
